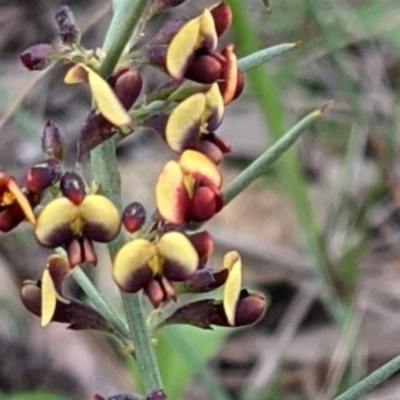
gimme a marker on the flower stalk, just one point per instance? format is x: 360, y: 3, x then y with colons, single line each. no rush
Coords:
x: 126, y: 15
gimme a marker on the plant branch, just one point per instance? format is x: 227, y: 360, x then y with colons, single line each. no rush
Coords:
x: 371, y: 381
x: 127, y: 14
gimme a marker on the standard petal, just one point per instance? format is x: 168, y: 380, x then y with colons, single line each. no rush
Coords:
x: 101, y: 217
x: 53, y: 226
x: 106, y: 100
x: 180, y: 257
x: 183, y: 125
x: 131, y: 271
x: 59, y: 269
x: 171, y: 195
x: 49, y: 298
x: 201, y: 168
x: 214, y: 108
x: 232, y: 286
x: 181, y: 49
x: 208, y: 32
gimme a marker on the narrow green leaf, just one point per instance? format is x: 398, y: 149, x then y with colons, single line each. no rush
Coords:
x: 260, y: 57
x: 371, y: 381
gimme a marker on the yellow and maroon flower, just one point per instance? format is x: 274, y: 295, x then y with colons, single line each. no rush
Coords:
x: 45, y: 299
x: 188, y: 190
x: 77, y: 219
x: 152, y: 265
x: 14, y: 204
x: 237, y: 308
x: 189, y: 50
x: 191, y: 124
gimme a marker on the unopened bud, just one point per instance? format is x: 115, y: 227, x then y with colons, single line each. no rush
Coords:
x: 43, y: 175
x: 127, y: 87
x: 52, y: 141
x: 72, y: 187
x: 39, y: 57
x: 157, y: 394
x: 134, y: 217
x: 67, y: 28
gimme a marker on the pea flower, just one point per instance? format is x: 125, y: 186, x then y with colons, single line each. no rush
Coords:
x: 192, y: 123
x: 15, y: 205
x: 45, y: 299
x: 188, y: 50
x: 237, y: 308
x: 152, y: 265
x: 188, y: 190
x: 76, y: 220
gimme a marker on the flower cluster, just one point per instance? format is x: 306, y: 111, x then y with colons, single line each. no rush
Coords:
x: 164, y: 256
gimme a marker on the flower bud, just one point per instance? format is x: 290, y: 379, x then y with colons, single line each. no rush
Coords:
x: 95, y: 131
x: 157, y: 394
x: 133, y: 217
x: 38, y: 57
x: 52, y: 141
x: 222, y: 15
x: 204, y: 69
x: 72, y: 187
x: 67, y: 28
x: 127, y: 87
x: 43, y: 175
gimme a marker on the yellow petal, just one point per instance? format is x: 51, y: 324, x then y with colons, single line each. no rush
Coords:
x: 102, y: 220
x: 232, y: 286
x: 171, y: 195
x: 214, y: 111
x: 22, y: 201
x: 183, y: 125
x: 53, y: 226
x: 76, y: 74
x: 131, y: 271
x: 208, y: 32
x: 180, y: 257
x: 106, y: 100
x: 182, y: 48
x: 49, y: 298
x: 201, y: 167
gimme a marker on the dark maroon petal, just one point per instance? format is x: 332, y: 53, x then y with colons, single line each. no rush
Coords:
x: 125, y: 397
x: 127, y: 87
x: 38, y: 57
x: 89, y: 255
x: 203, y: 205
x: 74, y: 252
x: 157, y: 394
x: 204, y: 69
x: 155, y: 292
x: 222, y: 15
x: 11, y: 217
x: 202, y: 281
x: 43, y: 175
x: 95, y: 131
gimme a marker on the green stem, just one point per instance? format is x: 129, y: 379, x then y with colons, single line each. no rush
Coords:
x: 127, y: 14
x: 371, y: 381
x: 98, y: 301
x: 262, y: 163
